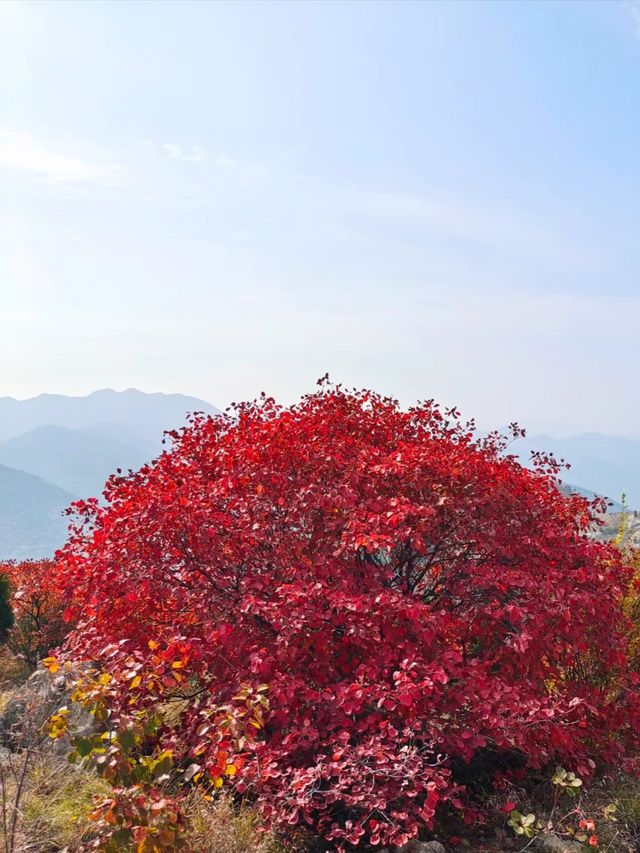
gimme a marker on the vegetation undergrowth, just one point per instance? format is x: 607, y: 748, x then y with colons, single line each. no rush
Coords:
x: 224, y: 827
x: 57, y: 802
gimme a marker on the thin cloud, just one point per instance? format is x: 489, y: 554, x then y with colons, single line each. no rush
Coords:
x: 192, y: 153
x: 22, y: 153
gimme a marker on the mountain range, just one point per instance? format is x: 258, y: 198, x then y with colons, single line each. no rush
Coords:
x: 55, y: 449
x: 32, y: 523
x: 608, y: 465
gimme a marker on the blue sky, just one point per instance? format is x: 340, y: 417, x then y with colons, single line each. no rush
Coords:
x: 435, y: 200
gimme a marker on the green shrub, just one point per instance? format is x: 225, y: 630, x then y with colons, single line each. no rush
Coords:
x: 6, y: 613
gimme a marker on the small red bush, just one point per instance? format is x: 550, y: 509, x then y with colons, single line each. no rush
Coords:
x: 411, y: 596
x: 38, y: 607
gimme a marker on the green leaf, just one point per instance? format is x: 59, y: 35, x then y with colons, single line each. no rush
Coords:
x: 84, y: 747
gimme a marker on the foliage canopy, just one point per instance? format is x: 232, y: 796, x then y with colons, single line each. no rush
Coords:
x: 405, y: 594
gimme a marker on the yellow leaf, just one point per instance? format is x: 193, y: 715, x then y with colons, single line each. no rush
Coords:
x: 135, y: 682
x: 177, y: 664
x: 51, y: 664
x: 218, y: 782
x: 153, y: 645
x: 231, y: 770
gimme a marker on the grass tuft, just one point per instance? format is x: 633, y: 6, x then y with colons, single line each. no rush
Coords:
x: 57, y: 799
x: 222, y: 827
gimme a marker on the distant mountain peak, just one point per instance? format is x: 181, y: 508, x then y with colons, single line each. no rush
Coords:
x: 47, y: 395
x: 32, y: 523
x: 149, y: 413
x: 59, y: 446
x: 607, y: 464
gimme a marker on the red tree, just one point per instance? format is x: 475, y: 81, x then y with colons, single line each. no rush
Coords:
x: 410, y: 597
x: 38, y: 609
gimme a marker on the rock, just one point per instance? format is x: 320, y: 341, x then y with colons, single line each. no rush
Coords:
x: 415, y: 846
x: 23, y: 721
x: 548, y: 842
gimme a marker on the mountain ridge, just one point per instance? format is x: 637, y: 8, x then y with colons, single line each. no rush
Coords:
x: 156, y: 411
x: 607, y: 465
x: 55, y: 448
x: 32, y: 524
x: 78, y: 460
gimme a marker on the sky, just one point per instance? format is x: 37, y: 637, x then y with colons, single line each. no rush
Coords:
x: 429, y: 199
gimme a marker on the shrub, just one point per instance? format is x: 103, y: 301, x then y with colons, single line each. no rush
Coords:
x: 6, y: 613
x: 38, y: 609
x: 632, y: 607
x: 379, y: 595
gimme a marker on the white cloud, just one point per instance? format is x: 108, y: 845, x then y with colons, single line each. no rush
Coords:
x: 23, y: 153
x: 191, y: 153
x: 194, y: 153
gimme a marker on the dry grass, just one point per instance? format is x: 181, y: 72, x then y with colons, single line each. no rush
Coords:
x: 222, y: 827
x: 13, y: 670
x: 623, y: 834
x: 52, y: 814
x: 52, y: 806
x: 58, y: 799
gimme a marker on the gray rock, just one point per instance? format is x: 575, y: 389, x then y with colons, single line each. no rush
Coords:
x: 429, y: 847
x: 415, y: 846
x: 23, y: 721
x: 548, y: 842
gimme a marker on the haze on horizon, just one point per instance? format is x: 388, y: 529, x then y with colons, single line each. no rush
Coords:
x: 433, y: 200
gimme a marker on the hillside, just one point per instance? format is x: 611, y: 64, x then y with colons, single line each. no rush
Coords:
x: 77, y: 460
x: 608, y: 465
x: 568, y: 488
x: 31, y: 519
x: 53, y: 448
